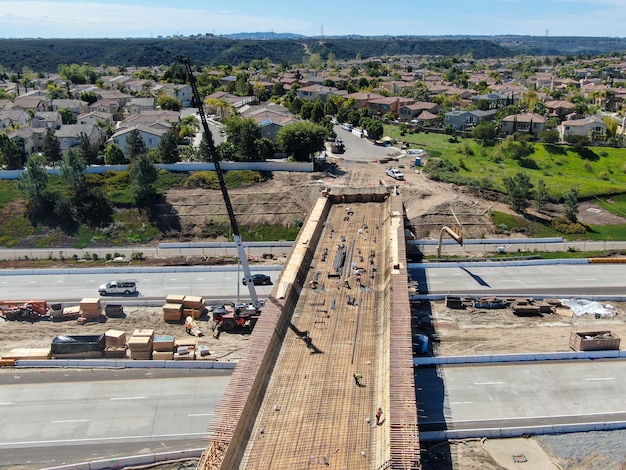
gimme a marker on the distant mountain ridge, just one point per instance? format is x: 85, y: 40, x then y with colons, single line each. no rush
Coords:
x: 45, y: 55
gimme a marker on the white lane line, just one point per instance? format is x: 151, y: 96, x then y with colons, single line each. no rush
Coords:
x: 127, y: 398
x: 7, y: 403
x: 71, y: 421
x: 600, y: 378
x: 201, y: 414
x: 512, y: 418
x: 461, y: 402
x: 590, y: 279
x: 97, y: 439
x: 489, y: 383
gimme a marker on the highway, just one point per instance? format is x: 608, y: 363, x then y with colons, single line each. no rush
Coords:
x: 68, y: 416
x: 489, y: 396
x: 155, y: 283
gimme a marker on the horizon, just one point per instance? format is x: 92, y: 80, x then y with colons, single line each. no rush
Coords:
x: 95, y: 19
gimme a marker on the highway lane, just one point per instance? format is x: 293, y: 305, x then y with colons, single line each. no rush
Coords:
x: 73, y: 285
x: 68, y: 416
x: 523, y: 394
x: 490, y: 279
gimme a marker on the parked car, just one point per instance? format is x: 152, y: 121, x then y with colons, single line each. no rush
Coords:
x: 259, y: 280
x: 125, y: 287
x: 394, y: 173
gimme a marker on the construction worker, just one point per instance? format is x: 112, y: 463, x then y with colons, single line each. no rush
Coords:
x: 379, y: 414
x: 357, y: 379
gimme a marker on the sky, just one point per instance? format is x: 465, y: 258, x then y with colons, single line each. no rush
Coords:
x: 154, y: 18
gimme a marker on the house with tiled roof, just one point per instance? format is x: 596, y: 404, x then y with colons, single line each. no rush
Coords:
x: 409, y: 112
x: 33, y: 103
x: 94, y: 117
x: 75, y: 106
x: 524, y: 123
x: 69, y: 135
x: 46, y: 120
x: 151, y: 136
x: 315, y: 92
x: 560, y: 108
x: 585, y: 126
x: 463, y: 120
x: 13, y: 118
x: 28, y: 139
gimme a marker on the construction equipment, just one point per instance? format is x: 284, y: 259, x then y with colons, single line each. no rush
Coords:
x: 241, y: 253
x: 231, y: 316
x: 192, y: 327
x: 23, y: 310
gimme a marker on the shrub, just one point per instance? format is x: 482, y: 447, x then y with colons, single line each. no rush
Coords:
x: 561, y: 224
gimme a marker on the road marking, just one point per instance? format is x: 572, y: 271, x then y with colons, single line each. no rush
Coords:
x: 128, y: 398
x: 97, y: 439
x: 7, y: 403
x: 201, y: 414
x: 71, y: 421
x: 489, y: 383
x: 600, y: 378
x: 512, y: 418
x: 461, y: 402
x: 590, y: 279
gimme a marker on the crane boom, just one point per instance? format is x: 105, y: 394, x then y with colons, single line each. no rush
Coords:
x: 241, y: 252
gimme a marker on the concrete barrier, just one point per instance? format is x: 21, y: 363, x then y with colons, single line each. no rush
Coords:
x: 72, y: 466
x: 554, y: 356
x: 122, y: 462
x: 122, y: 364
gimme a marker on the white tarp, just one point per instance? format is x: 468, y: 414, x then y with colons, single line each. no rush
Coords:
x: 582, y: 306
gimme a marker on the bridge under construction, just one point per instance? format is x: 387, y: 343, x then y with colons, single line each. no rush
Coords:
x: 328, y: 375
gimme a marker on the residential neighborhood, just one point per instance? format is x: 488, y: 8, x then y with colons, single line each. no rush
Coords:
x: 521, y: 98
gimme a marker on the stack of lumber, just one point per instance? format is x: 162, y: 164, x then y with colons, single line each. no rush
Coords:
x: 115, y: 344
x: 193, y: 306
x: 173, y: 312
x: 140, y: 344
x: 90, y: 308
x: 67, y: 313
x: 163, y: 348
x: 27, y: 353
x: 185, y: 349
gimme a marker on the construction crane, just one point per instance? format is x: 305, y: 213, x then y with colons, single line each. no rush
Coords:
x: 241, y: 252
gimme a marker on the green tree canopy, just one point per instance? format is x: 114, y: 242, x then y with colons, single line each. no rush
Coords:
x: 301, y: 139
x: 51, y: 147
x: 519, y: 191
x: 11, y: 156
x: 570, y: 205
x: 485, y: 133
x: 143, y: 175
x: 135, y: 146
x: 168, y: 148
x: 243, y: 133
x: 168, y: 102
x: 114, y: 155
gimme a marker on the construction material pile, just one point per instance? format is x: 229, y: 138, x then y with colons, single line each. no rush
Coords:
x: 178, y: 307
x: 140, y: 344
x: 594, y: 341
x: 163, y: 348
x: 90, y: 309
x: 115, y: 344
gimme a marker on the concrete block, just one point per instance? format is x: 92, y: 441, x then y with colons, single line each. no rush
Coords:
x: 122, y: 462
x: 180, y: 454
x: 73, y: 466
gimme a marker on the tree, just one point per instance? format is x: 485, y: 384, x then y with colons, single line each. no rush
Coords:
x: 612, y: 125
x: 143, y: 175
x: 301, y: 139
x: 73, y: 172
x: 11, y: 157
x: 570, y: 205
x: 317, y: 113
x: 168, y: 102
x: 135, y: 146
x: 374, y: 128
x: 242, y: 133
x: 89, y: 96
x: 168, y: 148
x: 33, y: 182
x: 51, y: 148
x: 242, y: 86
x: 114, y: 155
x: 519, y: 191
x: 542, y: 197
x: 485, y: 133
x: 88, y: 151
x: 549, y: 137
x: 265, y: 148
x: 67, y: 117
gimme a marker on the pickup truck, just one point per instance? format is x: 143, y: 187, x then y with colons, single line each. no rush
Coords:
x: 394, y: 173
x: 118, y: 287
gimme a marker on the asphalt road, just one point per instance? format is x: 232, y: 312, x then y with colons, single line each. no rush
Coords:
x: 570, y: 279
x: 217, y: 283
x: 525, y: 394
x: 53, y: 417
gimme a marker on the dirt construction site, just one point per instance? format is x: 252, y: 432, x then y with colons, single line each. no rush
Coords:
x: 335, y: 330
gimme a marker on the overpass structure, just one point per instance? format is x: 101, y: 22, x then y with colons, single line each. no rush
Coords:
x: 333, y: 345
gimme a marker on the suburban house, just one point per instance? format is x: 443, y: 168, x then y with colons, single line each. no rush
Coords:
x: 69, y: 135
x: 151, y: 136
x: 495, y: 100
x: 34, y: 103
x: 180, y: 92
x: 46, y: 120
x: 315, y: 92
x: 75, y: 106
x: 560, y: 108
x: 361, y: 99
x: 385, y: 105
x: 93, y: 117
x: 586, y: 126
x: 28, y: 139
x: 409, y: 112
x: 461, y: 120
x: 13, y: 118
x: 156, y: 118
x: 138, y: 105
x: 524, y: 123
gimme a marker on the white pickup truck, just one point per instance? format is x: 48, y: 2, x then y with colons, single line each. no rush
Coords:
x: 394, y: 173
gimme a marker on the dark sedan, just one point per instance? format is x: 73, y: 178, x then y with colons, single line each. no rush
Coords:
x: 259, y: 280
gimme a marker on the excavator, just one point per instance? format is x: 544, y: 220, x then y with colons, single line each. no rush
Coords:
x: 255, y: 304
